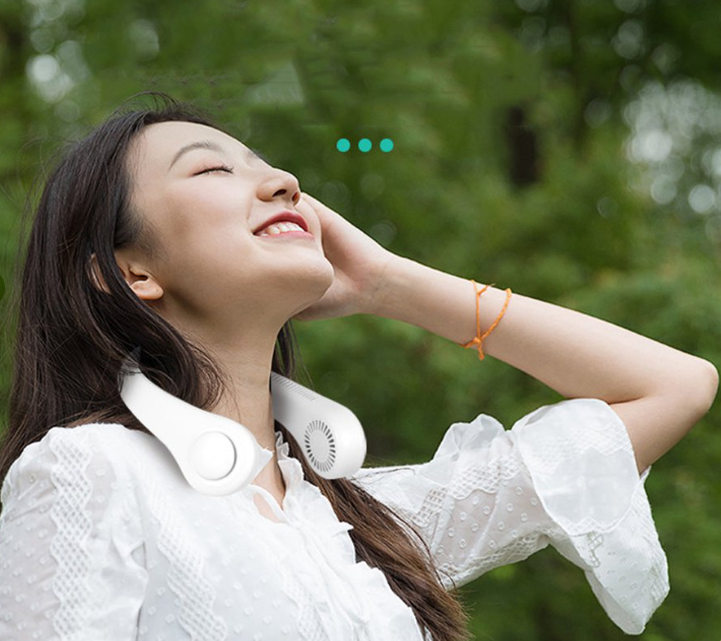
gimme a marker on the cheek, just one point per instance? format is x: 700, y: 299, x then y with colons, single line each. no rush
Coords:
x: 211, y: 265
x: 213, y: 215
x: 214, y: 251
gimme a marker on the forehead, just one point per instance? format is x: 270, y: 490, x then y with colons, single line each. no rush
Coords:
x: 158, y: 143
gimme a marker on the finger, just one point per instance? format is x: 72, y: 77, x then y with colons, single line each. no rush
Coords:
x: 314, y: 202
x: 325, y: 213
x: 304, y: 207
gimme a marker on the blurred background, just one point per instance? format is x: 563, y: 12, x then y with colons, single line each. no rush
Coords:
x: 568, y: 150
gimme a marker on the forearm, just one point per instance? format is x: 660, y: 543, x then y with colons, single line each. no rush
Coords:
x: 573, y: 353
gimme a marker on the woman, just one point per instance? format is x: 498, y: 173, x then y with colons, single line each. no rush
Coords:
x: 151, y: 232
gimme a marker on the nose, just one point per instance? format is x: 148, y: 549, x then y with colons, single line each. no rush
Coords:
x: 281, y: 183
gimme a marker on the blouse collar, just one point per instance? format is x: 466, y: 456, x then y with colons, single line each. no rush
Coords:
x: 290, y: 467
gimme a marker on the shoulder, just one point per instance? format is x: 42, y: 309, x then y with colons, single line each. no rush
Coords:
x: 112, y: 440
x: 91, y: 450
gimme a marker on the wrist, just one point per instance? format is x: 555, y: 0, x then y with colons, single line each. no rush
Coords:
x: 441, y: 303
x: 384, y: 299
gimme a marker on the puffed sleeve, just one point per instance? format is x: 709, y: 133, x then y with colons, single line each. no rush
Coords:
x: 564, y: 475
x: 71, y: 551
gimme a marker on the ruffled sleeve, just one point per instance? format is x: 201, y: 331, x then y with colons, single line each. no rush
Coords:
x: 71, y: 563
x: 565, y: 475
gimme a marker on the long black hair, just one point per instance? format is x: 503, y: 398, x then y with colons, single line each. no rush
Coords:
x: 73, y: 336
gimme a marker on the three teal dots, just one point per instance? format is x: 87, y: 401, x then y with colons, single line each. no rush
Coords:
x: 364, y: 145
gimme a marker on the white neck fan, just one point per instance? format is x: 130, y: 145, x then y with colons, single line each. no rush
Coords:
x: 219, y: 456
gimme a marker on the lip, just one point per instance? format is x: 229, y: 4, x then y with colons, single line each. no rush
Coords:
x: 287, y: 215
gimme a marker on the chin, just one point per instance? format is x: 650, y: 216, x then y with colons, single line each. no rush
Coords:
x: 325, y: 275
x: 330, y: 272
x: 319, y: 271
x: 324, y: 265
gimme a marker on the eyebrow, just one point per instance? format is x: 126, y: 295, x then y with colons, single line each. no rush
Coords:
x: 209, y: 144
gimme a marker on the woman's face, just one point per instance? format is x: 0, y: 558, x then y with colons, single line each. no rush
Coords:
x: 213, y: 268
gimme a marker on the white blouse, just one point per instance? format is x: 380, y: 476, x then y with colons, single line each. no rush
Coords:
x: 101, y: 537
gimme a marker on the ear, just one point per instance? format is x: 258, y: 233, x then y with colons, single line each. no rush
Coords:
x: 144, y: 286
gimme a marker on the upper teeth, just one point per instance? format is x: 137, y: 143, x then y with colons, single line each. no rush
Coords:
x: 279, y: 228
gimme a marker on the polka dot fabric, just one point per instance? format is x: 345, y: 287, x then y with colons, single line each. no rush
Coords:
x: 68, y: 530
x: 102, y: 538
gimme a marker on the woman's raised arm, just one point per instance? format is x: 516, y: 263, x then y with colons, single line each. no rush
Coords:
x: 658, y: 391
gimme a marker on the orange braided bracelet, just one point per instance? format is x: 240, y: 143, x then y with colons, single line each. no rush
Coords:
x: 478, y: 340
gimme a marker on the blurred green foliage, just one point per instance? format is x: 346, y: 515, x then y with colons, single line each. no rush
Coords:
x: 568, y: 150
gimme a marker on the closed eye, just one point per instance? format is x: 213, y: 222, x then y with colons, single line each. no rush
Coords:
x: 219, y: 168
